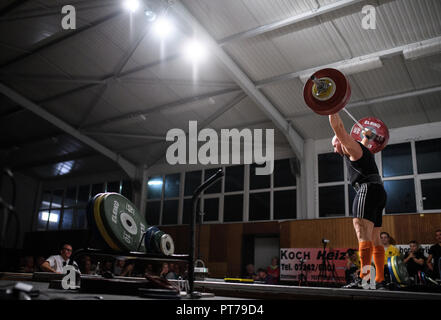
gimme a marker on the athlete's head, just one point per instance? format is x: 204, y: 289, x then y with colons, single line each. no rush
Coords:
x: 337, y: 145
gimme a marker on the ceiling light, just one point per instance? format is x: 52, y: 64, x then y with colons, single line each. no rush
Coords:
x: 131, y: 5
x: 151, y: 15
x: 163, y: 27
x: 195, y: 51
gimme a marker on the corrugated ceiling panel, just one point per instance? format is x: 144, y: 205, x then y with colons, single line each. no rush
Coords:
x: 402, y: 113
x: 149, y: 95
x: 222, y: 18
x: 432, y: 106
x: 425, y: 72
x: 391, y: 78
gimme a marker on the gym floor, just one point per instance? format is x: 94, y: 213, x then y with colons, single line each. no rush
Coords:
x: 116, y: 119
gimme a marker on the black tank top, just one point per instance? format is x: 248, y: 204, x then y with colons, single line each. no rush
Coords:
x: 364, y: 169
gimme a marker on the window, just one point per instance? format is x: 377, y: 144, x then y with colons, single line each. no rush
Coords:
x: 154, y: 187
x: 397, y: 160
x: 284, y: 173
x: 400, y: 196
x: 330, y: 167
x: 428, y: 154
x: 331, y: 201
x: 259, y: 181
x: 211, y: 209
x: 431, y: 194
x: 215, y: 188
x: 234, y: 178
x: 172, y: 185
x: 170, y: 212
x: 259, y: 206
x: 233, y: 208
x: 152, y: 212
x: 285, y: 204
x: 193, y: 180
x: 188, y: 209
x: 65, y: 209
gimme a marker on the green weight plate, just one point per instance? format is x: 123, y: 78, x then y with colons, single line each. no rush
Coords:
x: 100, y: 224
x: 123, y: 222
x: 400, y: 270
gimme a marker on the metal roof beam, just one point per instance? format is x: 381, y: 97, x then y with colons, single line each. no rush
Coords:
x: 335, y: 6
x: 294, y: 139
x: 351, y: 64
x: 127, y: 166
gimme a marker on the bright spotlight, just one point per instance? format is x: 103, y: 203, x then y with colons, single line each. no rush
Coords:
x: 151, y: 15
x: 163, y: 27
x: 131, y: 5
x: 195, y: 51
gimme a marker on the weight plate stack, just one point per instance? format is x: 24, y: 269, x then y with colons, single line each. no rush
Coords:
x: 156, y: 241
x: 122, y: 221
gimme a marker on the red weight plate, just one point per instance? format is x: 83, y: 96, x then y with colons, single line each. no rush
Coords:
x: 378, y: 128
x: 337, y: 101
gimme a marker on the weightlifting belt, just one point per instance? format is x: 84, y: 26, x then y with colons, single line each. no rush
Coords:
x: 369, y: 179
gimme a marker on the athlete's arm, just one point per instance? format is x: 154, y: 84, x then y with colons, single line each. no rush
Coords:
x: 348, y: 143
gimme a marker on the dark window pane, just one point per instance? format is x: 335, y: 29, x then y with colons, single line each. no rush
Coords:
x: 233, y: 208
x: 428, y: 155
x: 83, y: 195
x: 113, y: 186
x: 285, y: 205
x: 97, y: 188
x: 330, y: 167
x: 259, y: 206
x: 215, y: 188
x: 351, y: 193
x: 81, y: 219
x: 154, y: 187
x: 400, y: 196
x: 57, y: 199
x: 431, y: 191
x: 70, y: 198
x: 188, y: 208
x: 172, y: 185
x: 127, y: 189
x: 331, y: 201
x: 284, y: 173
x: 259, y: 181
x: 170, y: 212
x: 45, y: 200
x: 54, y: 219
x: 397, y: 160
x: 192, y: 181
x: 67, y: 219
x: 234, y: 178
x: 211, y: 209
x: 152, y: 211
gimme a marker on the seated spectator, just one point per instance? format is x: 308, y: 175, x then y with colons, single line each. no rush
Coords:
x: 178, y: 271
x: 171, y: 275
x: 389, y: 251
x: 164, y: 270
x: 414, y: 259
x: 264, y: 276
x: 149, y: 269
x: 435, y: 255
x: 56, y: 263
x: 128, y: 269
x: 27, y: 264
x: 352, y: 267
x: 250, y: 273
x: 86, y: 265
x: 273, y: 269
x: 107, y: 266
x: 119, y: 266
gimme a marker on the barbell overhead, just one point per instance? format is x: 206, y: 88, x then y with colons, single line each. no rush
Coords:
x: 327, y: 91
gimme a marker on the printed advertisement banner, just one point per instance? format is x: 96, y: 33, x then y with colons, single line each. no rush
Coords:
x: 313, y: 264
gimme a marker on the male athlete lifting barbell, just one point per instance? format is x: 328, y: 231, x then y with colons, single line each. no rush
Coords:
x: 327, y: 92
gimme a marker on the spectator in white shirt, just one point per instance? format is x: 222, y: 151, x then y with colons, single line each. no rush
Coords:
x: 57, y: 262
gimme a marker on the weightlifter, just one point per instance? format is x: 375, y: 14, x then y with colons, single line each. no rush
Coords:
x: 369, y: 201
